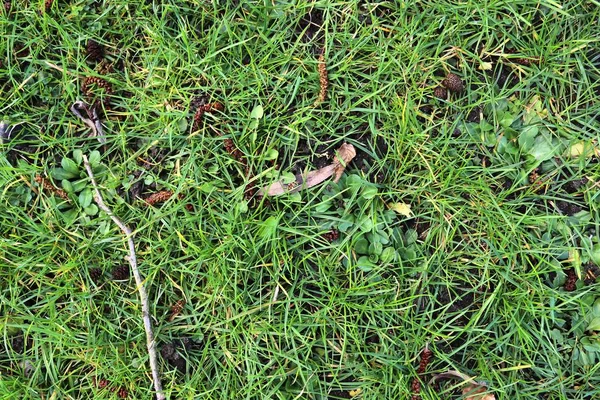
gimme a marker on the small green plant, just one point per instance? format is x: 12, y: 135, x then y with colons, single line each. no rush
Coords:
x: 377, y: 239
x: 75, y: 182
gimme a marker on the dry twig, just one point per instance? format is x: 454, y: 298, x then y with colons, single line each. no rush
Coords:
x: 138, y: 281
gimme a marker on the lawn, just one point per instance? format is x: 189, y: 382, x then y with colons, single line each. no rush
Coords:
x: 463, y: 237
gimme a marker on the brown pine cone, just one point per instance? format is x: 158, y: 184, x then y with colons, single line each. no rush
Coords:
x: 159, y: 197
x: 233, y: 150
x: 90, y: 81
x: 453, y: 83
x: 332, y: 235
x: 7, y: 7
x: 95, y: 275
x: 122, y: 393
x: 102, y: 383
x: 121, y: 272
x: 440, y: 92
x: 95, y: 51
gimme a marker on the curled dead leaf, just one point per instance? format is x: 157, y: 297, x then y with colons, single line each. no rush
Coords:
x: 477, y: 392
x: 344, y: 155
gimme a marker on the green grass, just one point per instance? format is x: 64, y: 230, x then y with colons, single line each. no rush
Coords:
x: 274, y: 309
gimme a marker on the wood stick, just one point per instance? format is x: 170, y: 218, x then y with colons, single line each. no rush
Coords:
x: 138, y: 281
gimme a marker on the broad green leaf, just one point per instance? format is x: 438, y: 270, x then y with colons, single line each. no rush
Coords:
x: 594, y: 325
x: 269, y: 227
x: 542, y: 148
x: 346, y: 224
x: 243, y: 207
x: 369, y: 192
x: 257, y: 112
x: 527, y: 137
x: 271, y: 154
x: 365, y: 264
x: 78, y: 156
x: 361, y: 246
x: 69, y: 165
x: 366, y: 224
x: 91, y: 210
x: 375, y: 248
x: 59, y: 174
x: 506, y: 119
x: 387, y: 255
x: 85, y: 198
x: 94, y: 158
x: 67, y: 186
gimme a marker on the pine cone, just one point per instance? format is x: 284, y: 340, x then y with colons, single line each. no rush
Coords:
x: 95, y: 275
x: 440, y: 92
x: 121, y: 272
x: 95, y: 51
x: 102, y: 383
x: 90, y: 81
x: 122, y: 393
x: 332, y: 235
x: 7, y: 7
x: 453, y: 83
x: 159, y: 197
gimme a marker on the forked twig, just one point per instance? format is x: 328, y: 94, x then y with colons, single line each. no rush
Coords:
x: 138, y: 281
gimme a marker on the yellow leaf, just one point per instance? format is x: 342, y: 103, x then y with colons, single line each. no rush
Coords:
x: 401, y: 208
x: 485, y: 66
x: 356, y: 392
x: 580, y: 149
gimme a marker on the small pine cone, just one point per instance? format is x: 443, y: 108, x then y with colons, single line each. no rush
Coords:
x: 425, y: 359
x: 416, y: 386
x: 159, y: 197
x: 48, y: 4
x: 90, y: 81
x: 453, y: 83
x: 121, y: 272
x: 440, y: 92
x: 233, y: 150
x: 122, y: 393
x: 332, y: 235
x: 95, y: 51
x: 102, y: 383
x: 204, y: 108
x: 104, y: 67
x: 7, y: 7
x: 95, y: 275
x: 214, y: 107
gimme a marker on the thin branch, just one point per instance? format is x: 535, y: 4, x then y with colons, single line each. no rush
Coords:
x: 138, y: 281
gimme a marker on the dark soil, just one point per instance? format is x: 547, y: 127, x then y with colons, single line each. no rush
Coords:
x: 339, y: 394
x: 309, y: 28
x: 171, y: 352
x: 590, y: 274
